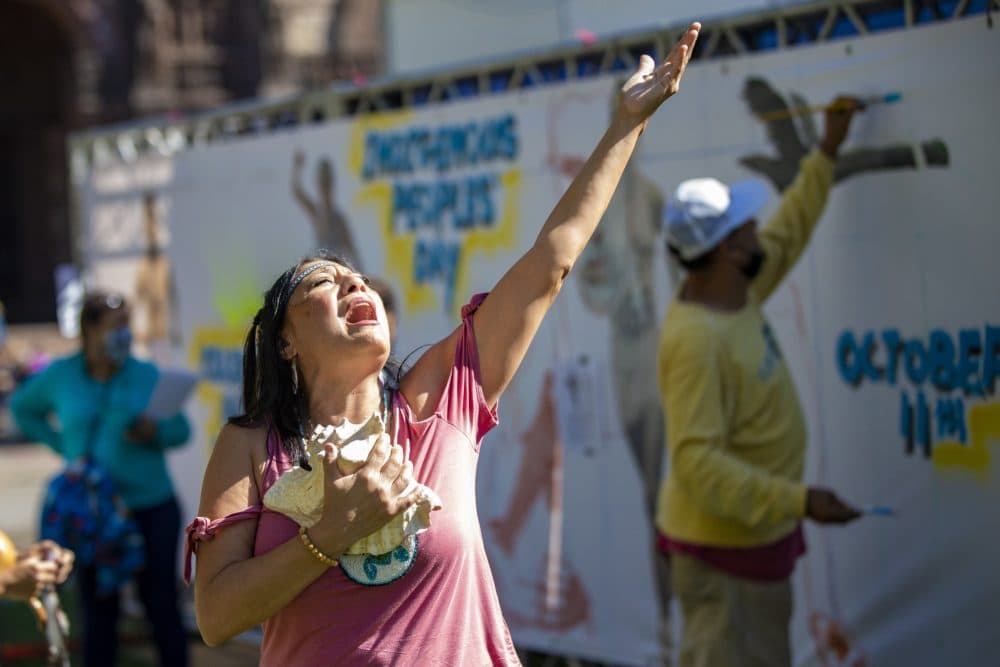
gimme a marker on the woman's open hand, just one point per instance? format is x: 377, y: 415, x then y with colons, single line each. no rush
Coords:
x: 651, y: 86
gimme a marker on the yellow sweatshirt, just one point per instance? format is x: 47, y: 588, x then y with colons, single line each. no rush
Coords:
x: 735, y: 430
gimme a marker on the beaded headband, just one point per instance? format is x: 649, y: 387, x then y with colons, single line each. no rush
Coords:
x: 294, y: 282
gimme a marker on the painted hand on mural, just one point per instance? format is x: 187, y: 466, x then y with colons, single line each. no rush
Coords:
x: 834, y: 647
x: 651, y: 86
x: 534, y: 477
x: 792, y: 132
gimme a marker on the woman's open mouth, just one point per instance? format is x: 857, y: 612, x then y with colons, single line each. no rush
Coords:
x: 361, y: 311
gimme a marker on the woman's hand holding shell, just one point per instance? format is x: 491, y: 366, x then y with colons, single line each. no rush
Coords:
x: 360, y: 503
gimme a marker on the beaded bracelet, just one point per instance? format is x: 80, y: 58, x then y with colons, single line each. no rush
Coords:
x: 315, y: 551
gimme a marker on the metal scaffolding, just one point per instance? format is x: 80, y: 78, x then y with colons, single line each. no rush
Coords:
x: 786, y: 28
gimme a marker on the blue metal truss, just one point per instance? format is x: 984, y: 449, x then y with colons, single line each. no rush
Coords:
x: 786, y: 28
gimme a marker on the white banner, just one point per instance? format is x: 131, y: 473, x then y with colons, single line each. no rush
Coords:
x: 889, y: 323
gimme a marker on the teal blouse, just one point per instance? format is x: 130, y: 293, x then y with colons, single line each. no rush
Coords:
x: 71, y: 412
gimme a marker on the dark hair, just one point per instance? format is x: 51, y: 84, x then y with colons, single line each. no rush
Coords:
x: 700, y: 262
x: 267, y: 377
x: 96, y: 305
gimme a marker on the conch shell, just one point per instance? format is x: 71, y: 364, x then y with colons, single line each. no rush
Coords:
x: 298, y: 493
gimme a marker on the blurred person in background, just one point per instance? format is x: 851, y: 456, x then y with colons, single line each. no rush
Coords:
x: 98, y: 397
x: 731, y: 508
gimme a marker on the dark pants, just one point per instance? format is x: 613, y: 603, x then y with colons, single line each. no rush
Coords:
x: 157, y: 585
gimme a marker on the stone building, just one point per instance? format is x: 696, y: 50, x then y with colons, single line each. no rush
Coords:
x: 70, y: 64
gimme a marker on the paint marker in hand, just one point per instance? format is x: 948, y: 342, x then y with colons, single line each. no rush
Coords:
x: 792, y: 112
x: 888, y: 98
x: 878, y: 510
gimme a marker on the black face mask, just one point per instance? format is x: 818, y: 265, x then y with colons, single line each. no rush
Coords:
x: 752, y: 268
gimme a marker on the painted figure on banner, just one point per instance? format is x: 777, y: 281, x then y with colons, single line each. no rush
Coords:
x: 792, y: 132
x: 616, y: 282
x: 328, y: 221
x: 559, y: 597
x: 155, y: 288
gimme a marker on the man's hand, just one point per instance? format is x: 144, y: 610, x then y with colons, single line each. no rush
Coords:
x: 143, y: 429
x: 838, y: 121
x: 824, y: 506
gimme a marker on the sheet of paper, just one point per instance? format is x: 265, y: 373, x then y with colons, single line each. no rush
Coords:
x: 170, y: 393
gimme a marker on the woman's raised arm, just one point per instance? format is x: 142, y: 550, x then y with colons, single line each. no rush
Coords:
x: 508, y: 319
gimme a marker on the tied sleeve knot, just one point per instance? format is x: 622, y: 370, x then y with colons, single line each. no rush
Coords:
x: 203, y: 529
x: 473, y: 305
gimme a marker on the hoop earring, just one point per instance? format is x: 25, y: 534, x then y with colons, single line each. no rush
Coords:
x: 295, y: 378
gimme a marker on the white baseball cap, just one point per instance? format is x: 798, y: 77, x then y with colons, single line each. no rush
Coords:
x: 703, y: 211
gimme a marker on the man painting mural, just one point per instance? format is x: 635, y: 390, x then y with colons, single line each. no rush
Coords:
x: 730, y: 509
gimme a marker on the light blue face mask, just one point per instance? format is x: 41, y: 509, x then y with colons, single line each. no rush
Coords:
x: 118, y: 344
x: 3, y: 329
